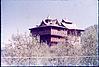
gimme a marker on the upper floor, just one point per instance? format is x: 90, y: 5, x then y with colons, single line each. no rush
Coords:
x: 54, y: 27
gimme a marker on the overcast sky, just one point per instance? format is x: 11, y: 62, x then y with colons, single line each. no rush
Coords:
x: 24, y: 14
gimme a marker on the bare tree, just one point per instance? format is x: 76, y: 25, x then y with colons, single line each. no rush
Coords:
x: 90, y: 46
x: 25, y: 49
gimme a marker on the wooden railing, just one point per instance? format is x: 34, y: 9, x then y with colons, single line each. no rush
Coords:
x: 57, y: 40
x: 42, y: 32
x: 57, y: 32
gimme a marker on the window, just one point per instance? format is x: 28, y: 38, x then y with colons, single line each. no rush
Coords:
x: 58, y: 37
x: 50, y: 23
x: 68, y: 32
x: 59, y: 29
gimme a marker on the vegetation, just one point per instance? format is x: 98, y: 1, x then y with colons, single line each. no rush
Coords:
x: 24, y: 49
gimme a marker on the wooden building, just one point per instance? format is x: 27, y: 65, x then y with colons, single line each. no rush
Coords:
x: 52, y: 31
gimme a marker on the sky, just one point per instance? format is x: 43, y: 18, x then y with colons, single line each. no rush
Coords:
x: 20, y: 15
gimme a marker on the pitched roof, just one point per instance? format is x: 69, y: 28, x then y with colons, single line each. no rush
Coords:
x: 66, y: 21
x: 50, y: 22
x: 70, y: 26
x: 54, y: 22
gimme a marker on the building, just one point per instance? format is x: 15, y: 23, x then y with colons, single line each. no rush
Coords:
x: 52, y: 31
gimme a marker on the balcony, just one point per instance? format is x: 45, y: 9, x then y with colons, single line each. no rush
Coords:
x: 43, y: 32
x: 58, y: 33
x: 57, y: 39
